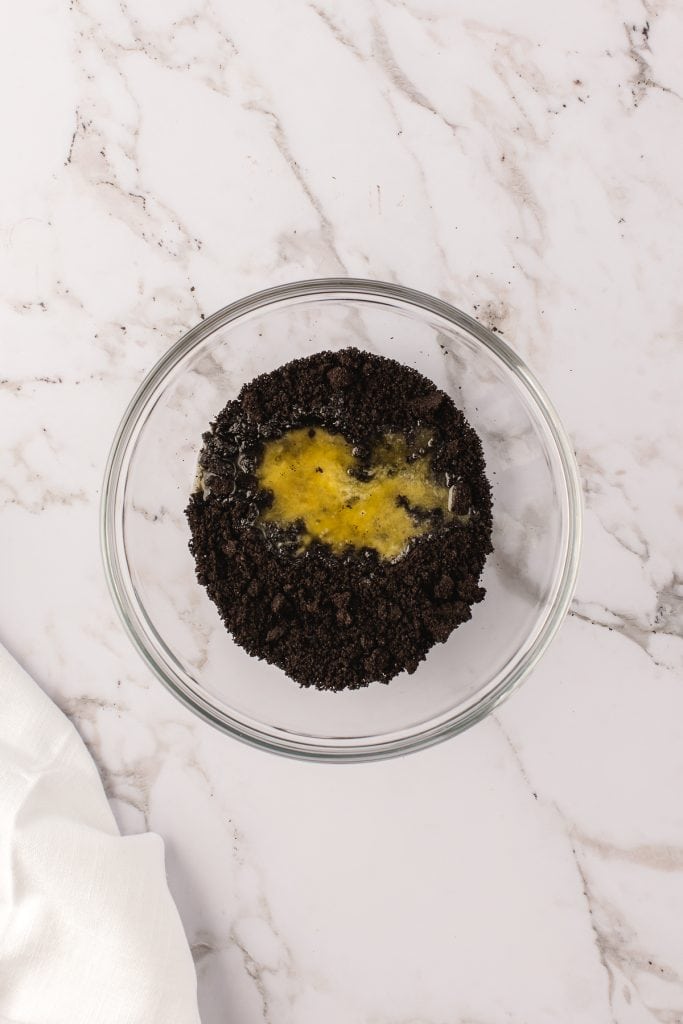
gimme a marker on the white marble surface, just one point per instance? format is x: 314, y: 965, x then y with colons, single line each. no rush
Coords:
x: 523, y: 161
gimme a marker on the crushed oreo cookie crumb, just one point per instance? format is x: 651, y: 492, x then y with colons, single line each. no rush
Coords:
x: 332, y: 621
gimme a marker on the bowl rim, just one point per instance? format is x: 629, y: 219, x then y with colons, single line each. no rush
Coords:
x: 110, y: 528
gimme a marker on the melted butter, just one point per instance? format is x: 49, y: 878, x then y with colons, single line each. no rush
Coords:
x: 308, y: 472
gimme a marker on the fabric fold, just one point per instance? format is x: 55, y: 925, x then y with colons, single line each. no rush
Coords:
x: 89, y: 933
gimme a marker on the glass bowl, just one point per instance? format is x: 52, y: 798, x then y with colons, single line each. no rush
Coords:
x: 536, y: 506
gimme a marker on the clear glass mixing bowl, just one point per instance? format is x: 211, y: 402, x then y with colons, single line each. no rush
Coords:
x: 537, y: 521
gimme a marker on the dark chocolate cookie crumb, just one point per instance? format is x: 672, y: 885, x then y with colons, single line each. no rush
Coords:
x: 329, y: 621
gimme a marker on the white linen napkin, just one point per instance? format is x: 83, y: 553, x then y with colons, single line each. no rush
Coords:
x: 89, y: 933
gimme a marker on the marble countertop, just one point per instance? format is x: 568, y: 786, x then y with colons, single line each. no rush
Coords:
x: 524, y: 162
